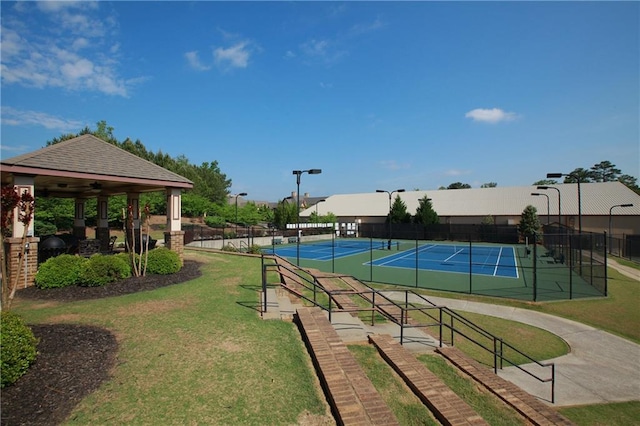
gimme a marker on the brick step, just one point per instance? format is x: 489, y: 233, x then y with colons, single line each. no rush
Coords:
x: 445, y: 405
x: 532, y: 409
x: 352, y: 396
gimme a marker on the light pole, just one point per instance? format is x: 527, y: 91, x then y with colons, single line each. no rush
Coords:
x: 559, y: 214
x: 318, y: 202
x: 577, y: 178
x: 299, y: 173
x: 610, y: 210
x: 390, y: 193
x: 545, y: 195
x: 242, y: 194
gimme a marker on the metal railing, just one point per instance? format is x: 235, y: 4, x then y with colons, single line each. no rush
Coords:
x: 399, y: 314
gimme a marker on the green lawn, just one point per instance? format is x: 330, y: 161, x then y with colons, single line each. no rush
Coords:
x: 198, y: 352
x: 195, y: 353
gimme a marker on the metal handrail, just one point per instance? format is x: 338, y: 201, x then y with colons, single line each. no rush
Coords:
x: 423, y: 306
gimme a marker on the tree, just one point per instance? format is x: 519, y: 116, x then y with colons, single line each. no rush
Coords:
x: 459, y: 185
x: 545, y: 182
x: 630, y: 182
x: 425, y: 214
x: 284, y: 213
x: 399, y: 213
x: 579, y: 173
x: 489, y: 185
x: 529, y: 222
x: 604, y: 171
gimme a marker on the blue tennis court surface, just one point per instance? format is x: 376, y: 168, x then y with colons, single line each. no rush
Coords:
x: 483, y: 260
x: 325, y: 250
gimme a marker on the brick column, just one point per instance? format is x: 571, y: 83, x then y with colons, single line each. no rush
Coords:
x: 79, y: 229
x: 13, y: 249
x: 102, y: 228
x: 174, y: 240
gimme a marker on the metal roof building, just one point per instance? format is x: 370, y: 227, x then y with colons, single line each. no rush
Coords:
x: 599, y: 201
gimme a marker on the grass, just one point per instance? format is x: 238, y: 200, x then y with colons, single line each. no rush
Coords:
x: 198, y: 353
x: 195, y: 353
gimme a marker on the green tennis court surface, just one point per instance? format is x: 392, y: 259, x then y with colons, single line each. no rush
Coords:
x: 479, y: 268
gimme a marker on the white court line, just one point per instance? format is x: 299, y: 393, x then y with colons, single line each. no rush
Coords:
x: 454, y: 255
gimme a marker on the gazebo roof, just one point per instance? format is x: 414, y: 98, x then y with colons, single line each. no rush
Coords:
x: 88, y: 165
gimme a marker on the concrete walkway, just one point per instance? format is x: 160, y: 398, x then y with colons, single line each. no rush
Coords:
x: 601, y: 367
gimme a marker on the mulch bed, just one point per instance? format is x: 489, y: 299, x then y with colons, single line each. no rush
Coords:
x: 73, y: 360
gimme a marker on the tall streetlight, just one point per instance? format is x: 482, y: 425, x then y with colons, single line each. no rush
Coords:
x: 242, y: 194
x: 559, y: 214
x: 577, y: 178
x: 299, y: 173
x: 390, y: 193
x: 610, y: 210
x: 318, y: 202
x: 537, y: 194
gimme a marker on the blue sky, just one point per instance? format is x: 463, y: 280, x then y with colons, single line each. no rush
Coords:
x: 379, y: 95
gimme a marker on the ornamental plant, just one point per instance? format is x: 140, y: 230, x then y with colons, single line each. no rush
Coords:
x: 17, y: 348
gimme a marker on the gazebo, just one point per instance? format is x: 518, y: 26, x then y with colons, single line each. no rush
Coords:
x: 87, y: 167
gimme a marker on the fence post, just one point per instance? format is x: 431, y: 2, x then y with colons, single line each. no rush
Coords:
x: 535, y: 268
x: 606, y: 273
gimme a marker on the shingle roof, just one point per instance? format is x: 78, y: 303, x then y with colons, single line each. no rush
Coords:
x: 597, y: 199
x: 91, y: 155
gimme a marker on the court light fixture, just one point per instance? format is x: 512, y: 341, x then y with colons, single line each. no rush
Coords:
x: 242, y: 194
x: 537, y: 194
x: 577, y: 178
x: 610, y: 218
x: 544, y: 187
x: 298, y: 174
x: 390, y: 193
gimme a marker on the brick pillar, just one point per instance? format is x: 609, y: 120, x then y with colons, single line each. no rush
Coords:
x: 174, y: 240
x: 13, y: 250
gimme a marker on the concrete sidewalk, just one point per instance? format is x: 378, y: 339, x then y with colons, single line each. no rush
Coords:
x: 601, y: 367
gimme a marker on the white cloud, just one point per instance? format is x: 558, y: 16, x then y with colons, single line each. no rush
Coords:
x: 194, y: 61
x: 15, y: 117
x: 236, y: 56
x: 456, y: 172
x: 394, y: 165
x: 48, y: 55
x: 493, y: 115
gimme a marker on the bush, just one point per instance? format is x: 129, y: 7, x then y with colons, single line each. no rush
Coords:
x: 104, y: 269
x: 59, y: 271
x: 255, y: 249
x: 163, y: 261
x: 17, y: 347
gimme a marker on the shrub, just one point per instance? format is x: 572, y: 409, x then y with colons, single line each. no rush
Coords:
x: 163, y: 261
x: 104, y: 269
x: 229, y: 247
x: 17, y: 347
x: 254, y: 249
x: 59, y: 271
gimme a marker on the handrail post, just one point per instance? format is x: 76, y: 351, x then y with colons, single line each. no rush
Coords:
x: 495, y: 355
x: 329, y: 293
x: 264, y: 287
x: 440, y: 324
x: 553, y: 383
x: 452, y: 330
x: 373, y: 307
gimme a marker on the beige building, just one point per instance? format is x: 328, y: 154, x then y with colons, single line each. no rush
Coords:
x: 600, y: 206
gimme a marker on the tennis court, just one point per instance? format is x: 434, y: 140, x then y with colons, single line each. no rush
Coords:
x: 497, y: 261
x: 492, y: 269
x: 325, y: 250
